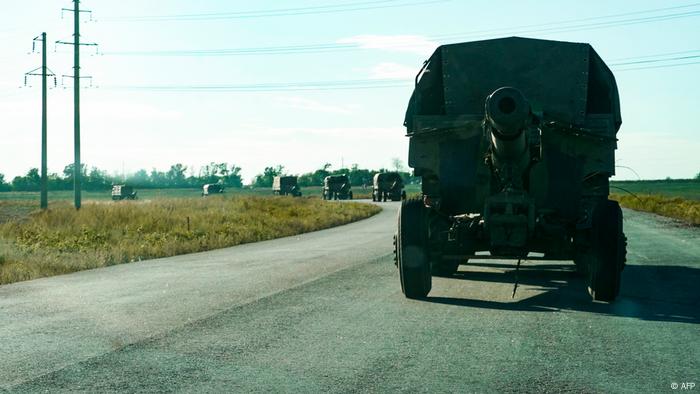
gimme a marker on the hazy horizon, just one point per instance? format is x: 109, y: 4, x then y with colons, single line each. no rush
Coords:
x: 303, y: 83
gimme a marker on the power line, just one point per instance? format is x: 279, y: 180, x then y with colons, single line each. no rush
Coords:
x: 659, y: 66
x: 526, y: 28
x: 359, y: 84
x: 323, y: 9
x: 655, y: 60
x: 332, y: 47
x: 276, y: 87
x: 657, y: 55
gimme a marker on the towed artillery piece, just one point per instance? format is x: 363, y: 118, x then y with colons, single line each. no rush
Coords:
x: 285, y: 185
x: 123, y: 192
x: 514, y: 140
x: 388, y: 185
x: 337, y: 187
x: 212, y: 188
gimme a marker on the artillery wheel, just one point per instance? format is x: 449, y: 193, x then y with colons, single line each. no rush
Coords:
x: 414, y: 267
x: 444, y: 268
x: 609, y: 252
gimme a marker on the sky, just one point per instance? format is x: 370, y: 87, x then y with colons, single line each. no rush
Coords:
x: 302, y: 83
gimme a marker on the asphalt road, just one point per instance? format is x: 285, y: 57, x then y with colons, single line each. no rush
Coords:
x: 323, y: 312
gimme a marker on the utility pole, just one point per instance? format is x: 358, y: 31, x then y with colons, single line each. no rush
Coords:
x: 45, y: 72
x: 77, y: 166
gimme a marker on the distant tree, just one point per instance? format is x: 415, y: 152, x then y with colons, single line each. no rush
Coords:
x: 138, y: 179
x: 68, y: 174
x: 176, y: 175
x: 4, y: 186
x: 98, y: 180
x: 397, y: 164
x: 233, y: 177
x: 265, y: 179
x: 314, y: 178
x: 29, y: 182
x: 56, y: 182
x: 697, y: 177
x: 158, y: 178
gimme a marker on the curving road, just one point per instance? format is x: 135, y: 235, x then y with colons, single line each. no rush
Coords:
x: 323, y: 312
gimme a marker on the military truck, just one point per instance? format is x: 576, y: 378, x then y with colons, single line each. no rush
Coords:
x: 514, y: 140
x: 123, y: 192
x: 388, y: 185
x: 212, y: 188
x: 285, y: 185
x: 337, y: 187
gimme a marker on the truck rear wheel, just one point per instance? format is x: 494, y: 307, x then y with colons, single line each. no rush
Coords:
x: 414, y: 267
x: 609, y: 252
x: 444, y: 268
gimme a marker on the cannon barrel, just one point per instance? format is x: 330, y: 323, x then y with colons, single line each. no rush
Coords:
x: 508, y: 113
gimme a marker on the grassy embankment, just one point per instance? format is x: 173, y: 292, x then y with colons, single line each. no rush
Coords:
x: 61, y: 240
x: 679, y: 199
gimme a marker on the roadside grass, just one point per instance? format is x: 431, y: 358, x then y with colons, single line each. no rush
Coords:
x: 674, y: 207
x: 62, y: 240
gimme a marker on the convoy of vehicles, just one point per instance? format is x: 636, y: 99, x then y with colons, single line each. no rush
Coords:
x: 286, y: 185
x: 212, y: 188
x: 388, y: 185
x: 337, y: 187
x: 123, y: 192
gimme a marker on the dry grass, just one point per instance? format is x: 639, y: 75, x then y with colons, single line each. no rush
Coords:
x: 675, y: 207
x: 62, y: 240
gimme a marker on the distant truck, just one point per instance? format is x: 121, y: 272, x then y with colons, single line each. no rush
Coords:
x: 212, y: 188
x: 123, y: 192
x: 285, y: 185
x: 388, y: 185
x: 337, y: 187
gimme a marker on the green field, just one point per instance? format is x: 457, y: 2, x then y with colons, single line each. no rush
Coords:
x: 685, y: 188
x: 143, y: 194
x: 151, y: 194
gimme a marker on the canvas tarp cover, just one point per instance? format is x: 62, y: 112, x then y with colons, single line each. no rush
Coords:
x: 566, y: 80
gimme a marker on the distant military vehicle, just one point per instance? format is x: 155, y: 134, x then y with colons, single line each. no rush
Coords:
x: 212, y: 188
x: 123, y: 192
x: 337, y: 187
x: 285, y: 185
x: 388, y: 185
x: 515, y: 142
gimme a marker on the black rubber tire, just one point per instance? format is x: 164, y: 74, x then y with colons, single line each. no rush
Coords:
x: 444, y: 268
x: 609, y: 252
x: 414, y: 267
